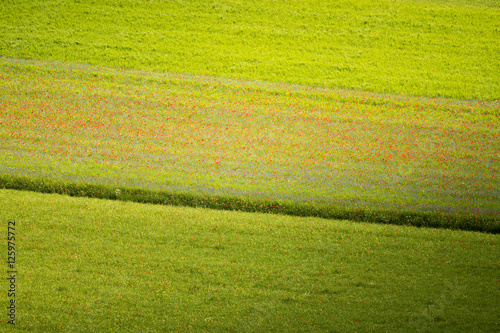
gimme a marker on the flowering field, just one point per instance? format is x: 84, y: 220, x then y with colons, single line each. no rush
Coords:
x: 217, y: 136
x: 304, y: 108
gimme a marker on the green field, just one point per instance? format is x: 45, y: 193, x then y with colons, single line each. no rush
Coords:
x: 90, y: 265
x: 423, y: 48
x: 340, y: 113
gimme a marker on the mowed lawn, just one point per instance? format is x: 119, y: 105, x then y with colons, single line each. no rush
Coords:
x: 215, y: 136
x: 88, y: 265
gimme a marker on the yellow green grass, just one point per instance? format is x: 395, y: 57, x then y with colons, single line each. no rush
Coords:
x: 422, y: 48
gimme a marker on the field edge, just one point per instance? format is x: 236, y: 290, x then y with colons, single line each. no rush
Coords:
x: 221, y: 202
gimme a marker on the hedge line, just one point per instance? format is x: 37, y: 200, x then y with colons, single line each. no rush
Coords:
x: 418, y: 219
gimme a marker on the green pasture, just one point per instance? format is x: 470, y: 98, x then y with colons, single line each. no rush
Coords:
x: 423, y: 48
x: 89, y: 265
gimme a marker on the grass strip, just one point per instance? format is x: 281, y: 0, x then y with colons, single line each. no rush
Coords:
x: 222, y: 202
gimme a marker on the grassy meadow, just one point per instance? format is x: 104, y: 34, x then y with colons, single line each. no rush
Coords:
x: 423, y: 48
x: 89, y: 265
x: 340, y: 113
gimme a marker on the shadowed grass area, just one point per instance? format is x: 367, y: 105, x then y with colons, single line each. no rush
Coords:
x: 99, y: 265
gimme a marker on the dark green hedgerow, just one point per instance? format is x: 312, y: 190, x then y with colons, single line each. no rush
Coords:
x: 418, y: 219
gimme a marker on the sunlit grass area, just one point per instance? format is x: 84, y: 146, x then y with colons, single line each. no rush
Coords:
x: 422, y: 48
